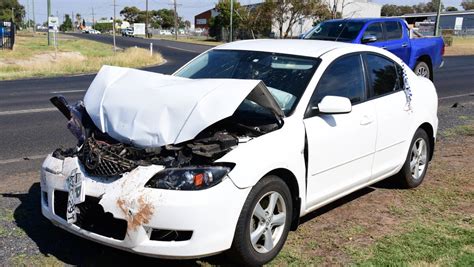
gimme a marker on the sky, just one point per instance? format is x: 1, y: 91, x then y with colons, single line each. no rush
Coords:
x: 186, y: 8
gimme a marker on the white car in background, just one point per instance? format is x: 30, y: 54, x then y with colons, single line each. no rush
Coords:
x: 231, y: 150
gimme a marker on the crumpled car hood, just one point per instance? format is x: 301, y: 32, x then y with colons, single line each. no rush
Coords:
x: 147, y: 109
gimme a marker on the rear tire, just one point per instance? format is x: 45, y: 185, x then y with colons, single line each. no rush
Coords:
x: 422, y: 69
x: 263, y: 224
x: 416, y: 164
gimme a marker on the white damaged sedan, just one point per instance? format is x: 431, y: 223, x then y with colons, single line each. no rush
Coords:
x: 231, y: 150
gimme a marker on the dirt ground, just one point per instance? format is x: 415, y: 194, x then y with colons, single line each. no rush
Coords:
x: 381, y: 225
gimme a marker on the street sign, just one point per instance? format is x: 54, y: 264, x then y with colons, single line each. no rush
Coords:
x: 458, y: 23
x: 53, y: 24
x: 139, y: 29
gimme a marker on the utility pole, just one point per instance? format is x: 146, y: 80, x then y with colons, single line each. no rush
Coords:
x: 93, y: 17
x: 231, y: 15
x: 49, y: 15
x: 146, y: 20
x: 175, y: 21
x: 113, y: 29
x: 28, y: 14
x: 34, y: 19
x: 438, y: 17
x: 13, y: 15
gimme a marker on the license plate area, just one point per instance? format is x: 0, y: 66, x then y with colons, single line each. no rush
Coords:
x: 76, y: 195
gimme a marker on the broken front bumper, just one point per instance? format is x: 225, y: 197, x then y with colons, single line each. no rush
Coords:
x: 122, y: 213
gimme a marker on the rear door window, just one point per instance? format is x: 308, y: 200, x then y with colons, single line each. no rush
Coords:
x: 393, y: 30
x: 383, y: 75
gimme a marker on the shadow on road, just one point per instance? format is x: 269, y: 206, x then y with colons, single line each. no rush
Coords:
x: 74, y: 250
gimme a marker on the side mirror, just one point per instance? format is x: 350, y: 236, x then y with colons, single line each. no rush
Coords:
x: 369, y: 38
x: 335, y: 105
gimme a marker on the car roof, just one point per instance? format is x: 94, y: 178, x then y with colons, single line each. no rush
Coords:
x: 299, y: 47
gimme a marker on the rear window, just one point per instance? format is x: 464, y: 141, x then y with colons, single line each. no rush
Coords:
x: 340, y: 30
x: 393, y: 30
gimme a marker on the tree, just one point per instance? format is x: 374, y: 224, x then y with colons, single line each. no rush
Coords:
x: 389, y: 10
x: 67, y: 24
x: 103, y: 27
x: 6, y: 11
x: 451, y: 8
x: 286, y: 13
x: 78, y: 20
x: 394, y: 10
x: 163, y: 18
x: 254, y: 21
x: 222, y: 21
x: 131, y: 14
x: 432, y: 6
x: 467, y: 4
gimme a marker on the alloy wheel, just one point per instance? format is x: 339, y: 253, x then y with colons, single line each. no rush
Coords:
x: 268, y: 222
x: 418, y: 158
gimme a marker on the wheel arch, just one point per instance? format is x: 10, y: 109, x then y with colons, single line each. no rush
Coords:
x: 427, y: 60
x: 290, y: 179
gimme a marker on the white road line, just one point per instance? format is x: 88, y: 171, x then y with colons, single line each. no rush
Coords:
x: 8, y: 161
x: 26, y: 111
x: 182, y: 49
x: 67, y: 91
x: 454, y: 96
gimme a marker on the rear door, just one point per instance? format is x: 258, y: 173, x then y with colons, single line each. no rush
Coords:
x: 340, y: 146
x: 393, y: 115
x: 396, y: 41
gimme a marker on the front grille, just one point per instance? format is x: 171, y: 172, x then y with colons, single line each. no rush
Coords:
x: 102, y: 159
x: 91, y: 216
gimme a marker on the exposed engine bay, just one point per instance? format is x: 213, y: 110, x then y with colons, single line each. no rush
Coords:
x: 102, y: 155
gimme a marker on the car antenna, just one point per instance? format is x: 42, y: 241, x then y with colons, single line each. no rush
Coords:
x: 345, y: 24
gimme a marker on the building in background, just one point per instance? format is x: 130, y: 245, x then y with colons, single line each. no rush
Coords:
x: 347, y: 9
x: 202, y: 20
x: 461, y: 22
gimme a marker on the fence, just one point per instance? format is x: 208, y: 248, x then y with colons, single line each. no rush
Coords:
x: 7, y: 34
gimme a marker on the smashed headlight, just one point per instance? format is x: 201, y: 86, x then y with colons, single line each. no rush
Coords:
x: 188, y: 178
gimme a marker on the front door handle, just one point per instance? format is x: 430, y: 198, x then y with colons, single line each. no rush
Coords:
x: 404, y: 45
x: 366, y: 120
x: 383, y: 47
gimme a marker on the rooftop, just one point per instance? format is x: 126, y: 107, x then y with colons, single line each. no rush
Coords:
x: 309, y: 48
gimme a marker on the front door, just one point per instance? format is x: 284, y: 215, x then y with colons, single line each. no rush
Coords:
x: 340, y: 146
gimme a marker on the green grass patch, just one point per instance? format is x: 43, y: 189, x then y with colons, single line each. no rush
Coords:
x: 461, y: 130
x: 32, y: 57
x: 35, y: 260
x: 444, y: 243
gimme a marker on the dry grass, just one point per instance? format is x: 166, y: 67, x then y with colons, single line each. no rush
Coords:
x: 33, y: 58
x: 461, y: 46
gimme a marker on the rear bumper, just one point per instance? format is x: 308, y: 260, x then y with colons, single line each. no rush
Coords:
x: 211, y: 215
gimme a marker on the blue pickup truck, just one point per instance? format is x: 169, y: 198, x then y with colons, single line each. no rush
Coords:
x: 422, y: 54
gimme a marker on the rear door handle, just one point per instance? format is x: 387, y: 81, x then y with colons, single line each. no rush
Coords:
x: 366, y: 120
x: 384, y: 47
x: 404, y: 45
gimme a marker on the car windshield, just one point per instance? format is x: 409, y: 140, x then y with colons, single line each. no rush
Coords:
x: 286, y: 76
x: 341, y: 30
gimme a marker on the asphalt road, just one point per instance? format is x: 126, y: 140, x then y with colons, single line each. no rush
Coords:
x: 30, y: 127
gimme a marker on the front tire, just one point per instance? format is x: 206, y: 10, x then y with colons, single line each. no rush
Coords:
x: 416, y: 164
x: 264, y: 223
x: 422, y: 69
